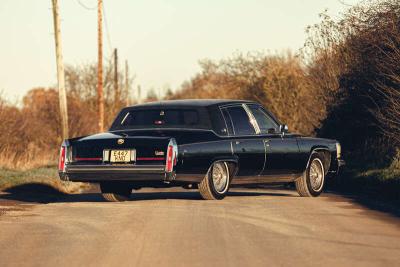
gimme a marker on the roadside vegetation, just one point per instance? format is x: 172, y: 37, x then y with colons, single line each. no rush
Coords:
x: 30, y: 131
x: 343, y: 84
x: 44, y: 177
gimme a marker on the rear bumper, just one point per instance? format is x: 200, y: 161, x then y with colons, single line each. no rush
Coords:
x: 98, y: 173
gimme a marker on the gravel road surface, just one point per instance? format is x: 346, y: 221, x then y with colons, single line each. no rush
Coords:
x: 173, y: 227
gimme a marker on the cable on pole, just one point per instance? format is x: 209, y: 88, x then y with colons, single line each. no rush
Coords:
x: 107, y: 30
x: 85, y: 6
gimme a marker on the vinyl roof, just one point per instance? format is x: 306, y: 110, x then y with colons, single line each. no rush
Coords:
x: 191, y: 102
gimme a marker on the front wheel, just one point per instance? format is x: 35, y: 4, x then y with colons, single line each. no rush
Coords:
x: 311, y: 183
x: 215, y: 184
x: 114, y: 192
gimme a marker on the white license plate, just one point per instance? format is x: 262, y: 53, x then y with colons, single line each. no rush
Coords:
x: 123, y: 156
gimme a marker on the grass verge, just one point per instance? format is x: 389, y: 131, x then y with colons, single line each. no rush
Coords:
x: 381, y: 184
x: 44, y: 176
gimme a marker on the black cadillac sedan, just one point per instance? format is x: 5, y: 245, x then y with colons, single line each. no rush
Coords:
x: 205, y: 144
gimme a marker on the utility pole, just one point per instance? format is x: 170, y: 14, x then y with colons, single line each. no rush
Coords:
x: 100, y: 97
x: 62, y: 95
x: 127, y: 103
x: 116, y: 89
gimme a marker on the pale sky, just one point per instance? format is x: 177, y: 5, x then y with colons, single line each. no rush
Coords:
x: 163, y: 40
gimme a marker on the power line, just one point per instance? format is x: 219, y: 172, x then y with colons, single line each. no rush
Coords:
x: 107, y: 29
x: 85, y: 6
x: 105, y: 22
x: 344, y: 3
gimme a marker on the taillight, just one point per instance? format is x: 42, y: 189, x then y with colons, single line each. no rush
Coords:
x: 61, y: 162
x: 172, y: 153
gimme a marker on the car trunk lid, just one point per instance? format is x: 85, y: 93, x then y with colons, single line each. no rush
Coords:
x: 148, y: 149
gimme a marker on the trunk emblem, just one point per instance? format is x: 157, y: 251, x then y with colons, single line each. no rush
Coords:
x: 120, y: 141
x: 159, y: 153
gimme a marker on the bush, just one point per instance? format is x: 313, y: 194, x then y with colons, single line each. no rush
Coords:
x: 30, y: 133
x: 277, y: 81
x: 355, y: 61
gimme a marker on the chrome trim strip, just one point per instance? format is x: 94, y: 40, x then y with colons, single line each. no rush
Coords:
x: 252, y: 119
x: 123, y: 120
x: 95, y: 168
x: 265, y: 179
x: 265, y: 157
x: 226, y: 125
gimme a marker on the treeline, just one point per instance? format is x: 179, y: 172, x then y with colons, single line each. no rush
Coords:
x: 30, y: 132
x: 343, y: 84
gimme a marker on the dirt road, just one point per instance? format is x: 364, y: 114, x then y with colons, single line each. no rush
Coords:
x: 251, y: 227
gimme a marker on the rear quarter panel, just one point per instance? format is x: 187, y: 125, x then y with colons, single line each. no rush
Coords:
x: 196, y: 158
x: 198, y: 150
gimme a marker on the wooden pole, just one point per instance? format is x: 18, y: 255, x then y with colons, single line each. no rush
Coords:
x: 128, y: 102
x: 116, y: 89
x: 62, y: 95
x: 100, y: 97
x: 139, y: 89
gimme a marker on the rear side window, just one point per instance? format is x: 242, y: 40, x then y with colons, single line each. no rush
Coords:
x: 239, y: 120
x: 228, y: 121
x: 158, y: 117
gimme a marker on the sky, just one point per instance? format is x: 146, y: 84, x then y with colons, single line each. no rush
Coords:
x: 163, y: 40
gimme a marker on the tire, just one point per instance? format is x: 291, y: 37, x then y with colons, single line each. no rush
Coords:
x: 212, y: 188
x: 312, y: 182
x: 114, y: 192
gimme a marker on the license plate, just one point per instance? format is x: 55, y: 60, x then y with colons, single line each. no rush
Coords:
x: 122, y: 156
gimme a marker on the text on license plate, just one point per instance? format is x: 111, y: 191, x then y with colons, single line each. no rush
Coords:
x: 122, y: 155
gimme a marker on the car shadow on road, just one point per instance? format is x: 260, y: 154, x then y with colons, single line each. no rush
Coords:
x: 371, y: 202
x: 41, y: 193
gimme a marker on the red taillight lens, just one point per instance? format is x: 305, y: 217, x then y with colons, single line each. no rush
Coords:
x: 170, y: 155
x: 61, y: 162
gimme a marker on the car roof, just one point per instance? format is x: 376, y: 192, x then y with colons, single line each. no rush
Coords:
x: 191, y: 103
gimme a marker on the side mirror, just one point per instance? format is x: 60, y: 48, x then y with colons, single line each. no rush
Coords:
x: 284, y: 128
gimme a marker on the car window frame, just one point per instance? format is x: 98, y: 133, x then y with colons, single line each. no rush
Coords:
x: 250, y: 117
x: 268, y: 114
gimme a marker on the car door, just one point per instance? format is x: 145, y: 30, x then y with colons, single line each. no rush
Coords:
x: 246, y: 144
x: 282, y: 151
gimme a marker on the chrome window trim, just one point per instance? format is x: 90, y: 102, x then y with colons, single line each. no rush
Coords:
x: 266, y: 114
x: 126, y: 116
x: 233, y: 126
x: 207, y: 130
x: 249, y: 116
x: 252, y: 119
x: 226, y: 125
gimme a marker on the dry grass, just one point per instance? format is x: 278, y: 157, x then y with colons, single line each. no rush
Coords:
x: 47, y: 176
x: 25, y: 161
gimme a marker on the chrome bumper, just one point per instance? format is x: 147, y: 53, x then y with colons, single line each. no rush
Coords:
x: 97, y: 173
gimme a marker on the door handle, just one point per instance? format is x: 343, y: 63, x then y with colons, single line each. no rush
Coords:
x: 237, y: 142
x: 266, y: 142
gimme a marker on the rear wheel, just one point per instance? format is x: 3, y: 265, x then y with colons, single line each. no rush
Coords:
x: 215, y: 184
x: 311, y: 183
x: 115, y: 192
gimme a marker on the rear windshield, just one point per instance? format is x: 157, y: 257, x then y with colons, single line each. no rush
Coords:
x: 158, y: 118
